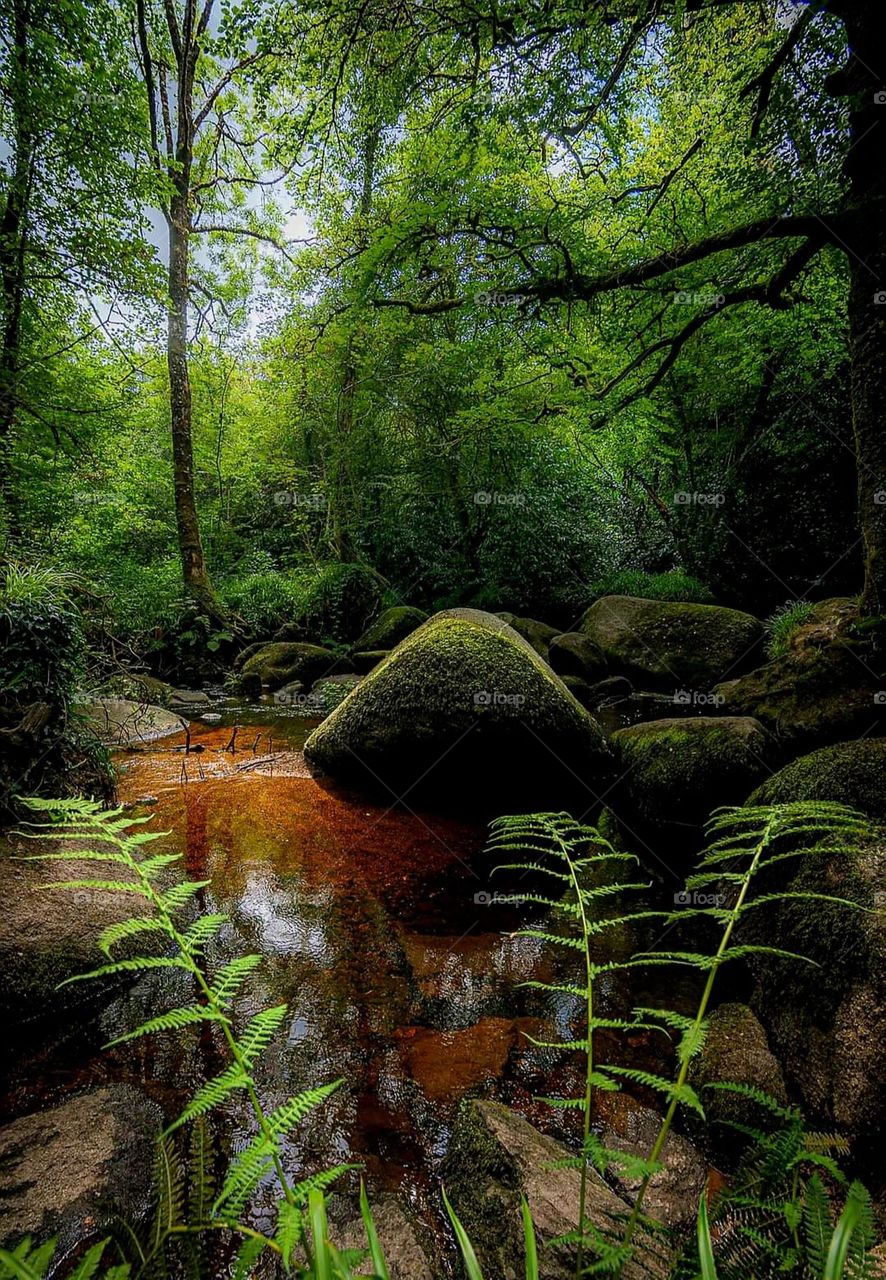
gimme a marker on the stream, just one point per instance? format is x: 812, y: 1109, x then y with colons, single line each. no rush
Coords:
x: 377, y: 925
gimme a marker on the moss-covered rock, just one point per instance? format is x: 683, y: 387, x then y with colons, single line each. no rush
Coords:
x: 811, y: 696
x: 575, y: 654
x: 465, y: 710
x: 661, y: 644
x: 391, y: 627
x: 826, y: 1021
x: 851, y: 773
x: 539, y: 634
x: 735, y: 1051
x: 364, y: 661
x: 676, y: 771
x: 332, y: 690
x: 285, y: 661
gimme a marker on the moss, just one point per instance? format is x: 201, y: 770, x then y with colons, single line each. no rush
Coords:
x: 677, y: 771
x: 284, y: 661
x: 464, y: 706
x: 390, y: 628
x: 667, y: 645
x: 852, y: 773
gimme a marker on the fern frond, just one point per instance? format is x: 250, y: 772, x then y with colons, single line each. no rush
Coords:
x: 174, y: 1020
x: 212, y: 1094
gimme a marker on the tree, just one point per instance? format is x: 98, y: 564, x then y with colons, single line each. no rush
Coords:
x: 805, y: 118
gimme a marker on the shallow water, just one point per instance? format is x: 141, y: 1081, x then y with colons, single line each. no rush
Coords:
x: 376, y: 928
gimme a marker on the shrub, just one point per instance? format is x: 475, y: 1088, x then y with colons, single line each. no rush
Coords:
x: 340, y: 602
x: 265, y: 601
x: 675, y: 585
x: 782, y: 625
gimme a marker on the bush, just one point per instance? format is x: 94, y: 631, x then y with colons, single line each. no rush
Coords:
x: 44, y: 748
x: 338, y: 603
x: 265, y: 601
x: 676, y: 585
x: 782, y: 625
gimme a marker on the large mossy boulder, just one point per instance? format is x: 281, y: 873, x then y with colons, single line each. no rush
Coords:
x: 494, y: 1158
x: 661, y: 644
x: 826, y: 1021
x: 851, y: 773
x: 464, y: 711
x: 390, y: 628
x: 76, y: 1171
x: 676, y: 771
x: 285, y: 661
x: 539, y: 634
x: 575, y: 654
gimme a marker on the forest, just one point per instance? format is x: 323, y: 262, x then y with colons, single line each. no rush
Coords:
x: 442, y: 639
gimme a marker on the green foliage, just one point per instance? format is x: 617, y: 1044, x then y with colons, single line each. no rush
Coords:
x: 674, y: 585
x: 782, y: 625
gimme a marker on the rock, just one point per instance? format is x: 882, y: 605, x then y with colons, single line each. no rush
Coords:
x: 612, y: 689
x: 446, y: 1064
x: 247, y: 685
x: 660, y: 644
x: 74, y: 1171
x: 365, y: 662
x: 390, y: 628
x: 191, y: 700
x: 464, y: 710
x: 826, y: 1022
x: 245, y: 654
x: 811, y: 697
x: 283, y: 662
x: 676, y: 771
x: 494, y: 1157
x: 400, y: 1236
x: 539, y: 634
x: 575, y: 654
x: 735, y: 1051
x: 48, y: 935
x: 119, y: 722
x: 580, y: 690
x: 673, y: 1194
x: 851, y: 773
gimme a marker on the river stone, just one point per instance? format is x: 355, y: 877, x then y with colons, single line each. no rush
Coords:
x: 48, y: 935
x: 735, y: 1051
x: 464, y: 710
x: 367, y: 660
x: 539, y: 634
x: 851, y: 773
x: 400, y: 1236
x: 494, y: 1157
x: 662, y: 644
x: 574, y: 654
x: 673, y: 1193
x: 283, y: 662
x: 390, y: 628
x: 120, y: 722
x: 76, y: 1169
x: 332, y: 690
x: 826, y: 1023
x: 677, y: 771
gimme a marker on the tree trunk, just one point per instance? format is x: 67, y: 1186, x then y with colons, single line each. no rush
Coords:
x: 863, y: 81
x: 194, y: 572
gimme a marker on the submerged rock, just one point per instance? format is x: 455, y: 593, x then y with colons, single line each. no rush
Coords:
x: 666, y: 645
x: 77, y: 1169
x: 284, y: 662
x: 677, y: 771
x: 402, y: 1239
x: 464, y: 710
x: 390, y: 628
x: 496, y: 1156
x: 851, y: 773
